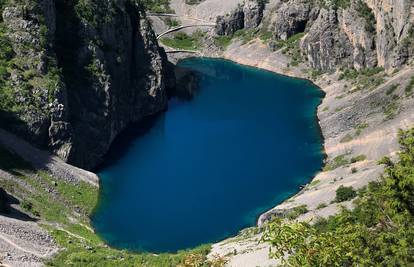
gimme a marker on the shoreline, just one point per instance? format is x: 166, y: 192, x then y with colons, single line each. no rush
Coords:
x: 338, y: 115
x: 263, y: 216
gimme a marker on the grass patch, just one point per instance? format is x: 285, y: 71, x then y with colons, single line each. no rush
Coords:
x: 184, y: 41
x: 358, y: 158
x: 223, y: 41
x: 360, y: 128
x: 296, y: 212
x: 391, y: 89
x: 390, y: 110
x: 337, y: 162
x: 409, y: 88
x: 314, y: 182
x: 321, y: 206
x: 368, y: 78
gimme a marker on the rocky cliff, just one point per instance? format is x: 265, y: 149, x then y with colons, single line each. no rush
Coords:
x: 78, y: 72
x: 350, y: 33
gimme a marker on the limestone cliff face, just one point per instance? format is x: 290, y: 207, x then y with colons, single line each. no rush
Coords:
x: 101, y: 68
x: 354, y: 33
x: 247, y: 16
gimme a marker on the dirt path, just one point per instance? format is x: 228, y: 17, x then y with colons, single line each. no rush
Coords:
x: 24, y: 243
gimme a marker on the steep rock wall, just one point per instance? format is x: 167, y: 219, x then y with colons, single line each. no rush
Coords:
x: 352, y: 33
x: 107, y: 67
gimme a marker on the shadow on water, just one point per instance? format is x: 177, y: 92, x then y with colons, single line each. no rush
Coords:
x: 187, y: 86
x: 123, y: 141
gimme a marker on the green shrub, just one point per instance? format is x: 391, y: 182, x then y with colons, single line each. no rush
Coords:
x: 410, y: 86
x: 392, y: 89
x: 358, y: 158
x: 345, y: 193
x: 222, y: 41
x: 296, y: 212
x: 321, y: 206
x: 26, y: 205
x: 378, y: 231
x: 337, y: 162
x: 360, y: 128
x: 390, y: 110
x: 366, y: 13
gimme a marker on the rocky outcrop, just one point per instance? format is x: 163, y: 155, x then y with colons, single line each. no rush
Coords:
x: 355, y: 33
x: 290, y: 18
x: 247, y: 16
x: 98, y: 67
x: 229, y: 24
x: 394, y: 31
x: 253, y: 13
x: 36, y: 93
x: 325, y: 46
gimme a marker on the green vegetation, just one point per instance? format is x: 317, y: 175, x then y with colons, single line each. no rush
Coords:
x: 314, y: 73
x: 410, y: 86
x: 342, y: 160
x: 193, y: 2
x: 222, y: 41
x: 183, y: 41
x: 65, y: 208
x: 95, y: 12
x: 369, y: 78
x: 391, y: 89
x: 346, y: 138
x: 31, y: 90
x: 345, y: 193
x: 335, y: 4
x: 391, y: 110
x: 245, y: 35
x: 366, y: 13
x: 358, y: 158
x: 291, y: 48
x: 158, y: 6
x: 296, y: 212
x: 314, y: 182
x: 379, y: 231
x: 171, y: 23
x: 337, y: 162
x: 321, y: 206
x: 360, y: 128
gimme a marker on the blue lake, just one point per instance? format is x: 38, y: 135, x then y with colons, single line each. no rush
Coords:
x: 209, y: 166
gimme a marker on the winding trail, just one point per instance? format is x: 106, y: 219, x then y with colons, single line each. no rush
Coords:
x: 22, y: 249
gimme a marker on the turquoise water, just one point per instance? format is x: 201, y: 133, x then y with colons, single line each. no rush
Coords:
x: 208, y: 167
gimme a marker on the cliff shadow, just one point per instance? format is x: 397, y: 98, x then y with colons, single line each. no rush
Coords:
x: 7, y: 209
x: 123, y: 141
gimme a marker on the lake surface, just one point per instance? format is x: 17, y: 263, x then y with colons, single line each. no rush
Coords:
x: 209, y: 166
